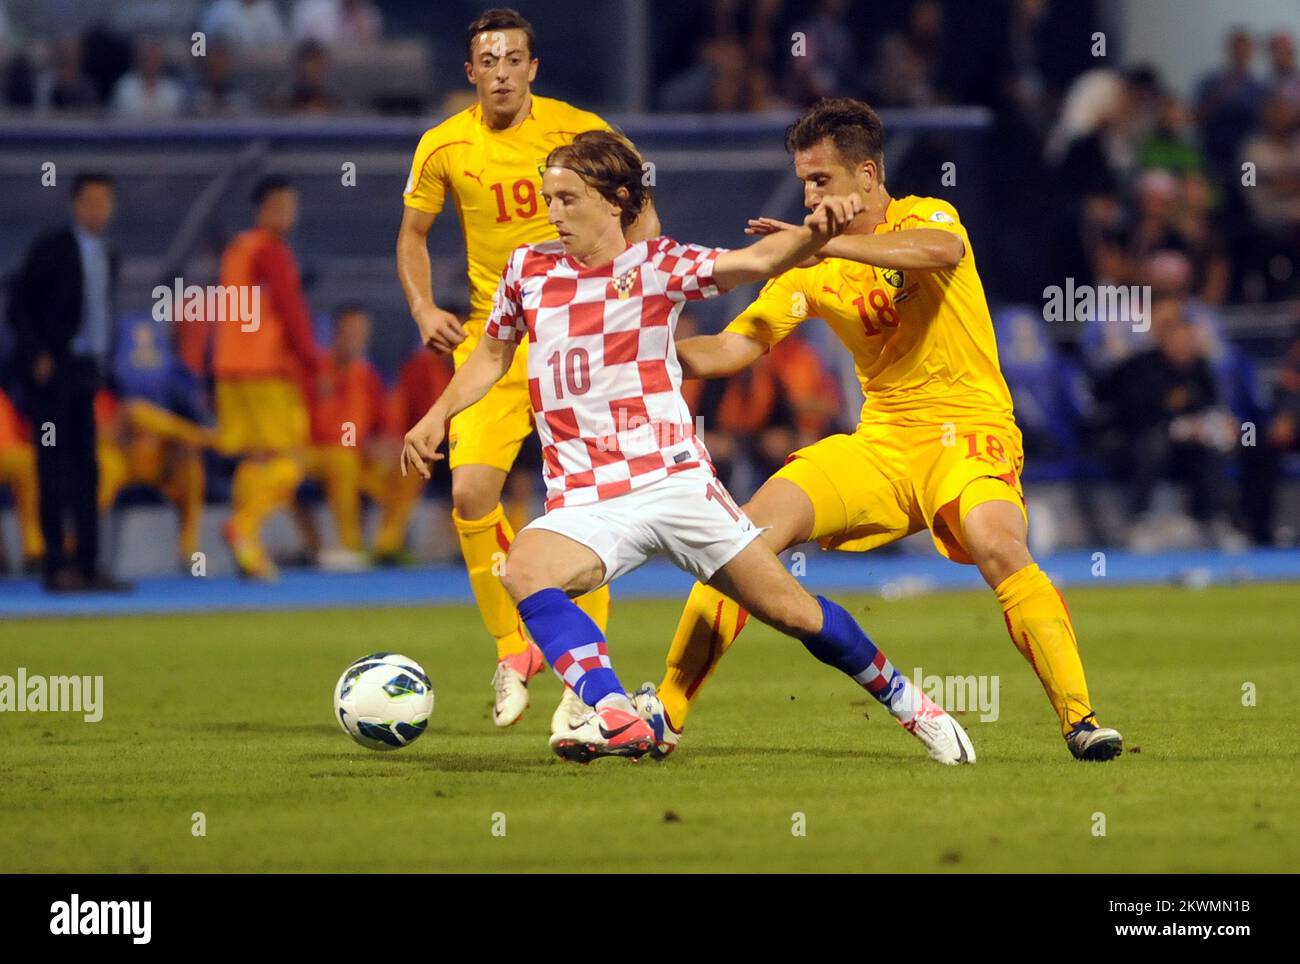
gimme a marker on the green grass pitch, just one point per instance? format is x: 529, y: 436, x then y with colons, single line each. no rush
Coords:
x: 230, y: 715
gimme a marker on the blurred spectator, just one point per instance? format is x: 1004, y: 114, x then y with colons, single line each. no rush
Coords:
x: 244, y: 23
x: 908, y: 62
x: 422, y: 379
x: 150, y: 432
x: 1264, y: 462
x: 1275, y: 151
x: 1080, y: 145
x: 1172, y: 144
x: 218, y: 94
x: 65, y: 86
x: 260, y: 372
x: 147, y: 93
x: 829, y: 62
x: 62, y: 314
x: 334, y: 22
x: 310, y: 92
x: 1022, y: 87
x: 1284, y: 429
x: 347, y: 413
x: 18, y: 474
x: 106, y: 58
x: 1274, y: 199
x: 754, y: 420
x: 1166, y: 220
x: 714, y: 83
x: 1228, y: 101
x: 1167, y: 410
x: 1285, y: 78
x: 732, y: 69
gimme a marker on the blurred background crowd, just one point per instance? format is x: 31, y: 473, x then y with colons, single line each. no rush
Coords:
x: 1172, y: 426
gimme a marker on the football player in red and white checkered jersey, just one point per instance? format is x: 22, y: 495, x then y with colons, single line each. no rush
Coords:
x: 627, y: 478
x: 606, y: 385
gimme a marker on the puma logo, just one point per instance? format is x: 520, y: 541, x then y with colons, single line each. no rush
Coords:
x: 476, y: 177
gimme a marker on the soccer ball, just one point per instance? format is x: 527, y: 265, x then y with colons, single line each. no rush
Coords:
x: 384, y: 700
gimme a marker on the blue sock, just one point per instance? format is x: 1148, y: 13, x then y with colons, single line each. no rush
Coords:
x: 843, y: 644
x: 572, y: 643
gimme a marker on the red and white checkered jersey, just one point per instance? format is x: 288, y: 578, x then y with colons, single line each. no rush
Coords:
x: 603, y: 374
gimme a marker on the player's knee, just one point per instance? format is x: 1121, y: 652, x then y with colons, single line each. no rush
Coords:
x: 1001, y: 556
x: 470, y: 501
x: 520, y: 577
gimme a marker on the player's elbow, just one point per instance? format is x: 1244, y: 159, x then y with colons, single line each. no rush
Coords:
x: 946, y: 252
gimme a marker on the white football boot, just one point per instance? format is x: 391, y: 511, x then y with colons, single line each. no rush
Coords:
x: 942, y: 735
x: 510, y: 683
x: 651, y: 708
x: 570, y: 711
x: 608, y: 730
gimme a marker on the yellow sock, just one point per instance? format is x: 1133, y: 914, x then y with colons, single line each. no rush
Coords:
x: 484, y: 543
x: 709, y: 625
x: 1039, y: 625
x: 596, y: 605
x: 184, y: 488
x: 262, y: 488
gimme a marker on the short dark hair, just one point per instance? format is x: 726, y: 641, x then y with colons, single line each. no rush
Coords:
x: 85, y: 178
x: 607, y: 161
x: 268, y: 186
x: 852, y: 126
x: 500, y: 18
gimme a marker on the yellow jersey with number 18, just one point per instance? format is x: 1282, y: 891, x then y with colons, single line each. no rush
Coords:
x: 922, y: 341
x: 495, y: 181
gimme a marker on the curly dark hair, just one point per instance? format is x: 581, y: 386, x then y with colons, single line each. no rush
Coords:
x: 852, y: 126
x: 607, y: 161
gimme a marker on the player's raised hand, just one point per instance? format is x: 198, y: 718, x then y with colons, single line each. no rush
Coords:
x: 420, y: 447
x: 767, y: 226
x: 440, y: 330
x: 833, y: 215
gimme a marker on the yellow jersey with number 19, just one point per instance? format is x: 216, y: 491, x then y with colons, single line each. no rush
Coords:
x: 495, y: 181
x: 922, y: 341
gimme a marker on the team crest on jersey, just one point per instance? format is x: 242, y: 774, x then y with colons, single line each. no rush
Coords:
x: 894, y: 277
x: 622, y: 285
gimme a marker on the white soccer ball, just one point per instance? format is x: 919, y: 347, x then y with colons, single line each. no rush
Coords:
x: 383, y: 701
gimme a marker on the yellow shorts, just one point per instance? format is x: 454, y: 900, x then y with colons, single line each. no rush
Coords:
x: 260, y: 415
x: 885, y: 482
x: 491, y: 431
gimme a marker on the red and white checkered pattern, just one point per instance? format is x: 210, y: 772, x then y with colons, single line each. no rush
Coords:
x: 603, y: 374
x: 582, y: 659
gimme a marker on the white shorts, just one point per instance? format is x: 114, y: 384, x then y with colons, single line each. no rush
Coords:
x: 690, y: 518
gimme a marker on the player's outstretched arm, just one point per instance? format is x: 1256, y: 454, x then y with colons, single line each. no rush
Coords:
x: 486, y: 365
x: 440, y: 330
x: 780, y: 251
x: 718, y: 356
x: 912, y: 249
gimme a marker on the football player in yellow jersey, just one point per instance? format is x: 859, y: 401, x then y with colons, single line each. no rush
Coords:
x: 488, y: 159
x: 936, y: 447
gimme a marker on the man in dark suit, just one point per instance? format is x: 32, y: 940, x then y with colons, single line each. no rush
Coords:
x: 62, y: 314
